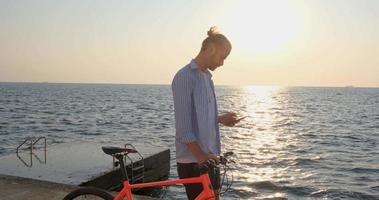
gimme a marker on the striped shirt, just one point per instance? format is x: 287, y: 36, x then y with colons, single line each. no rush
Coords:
x: 195, y: 112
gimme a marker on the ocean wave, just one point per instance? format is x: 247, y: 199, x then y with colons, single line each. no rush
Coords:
x: 56, y: 129
x: 295, y: 190
x: 342, y: 194
x: 101, y: 122
x: 285, y: 124
x: 376, y: 188
x: 305, y: 161
x: 271, y: 198
x: 90, y: 133
x: 65, y: 121
x: 145, y: 108
x: 356, y: 138
x: 264, y: 185
x: 18, y: 116
x: 365, y: 170
x: 241, y: 193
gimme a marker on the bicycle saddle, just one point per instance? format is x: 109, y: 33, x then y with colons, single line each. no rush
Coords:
x: 116, y: 150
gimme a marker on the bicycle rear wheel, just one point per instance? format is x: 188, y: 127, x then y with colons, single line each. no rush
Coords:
x: 88, y: 193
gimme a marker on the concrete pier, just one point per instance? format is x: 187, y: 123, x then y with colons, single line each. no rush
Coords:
x: 61, y: 168
x: 15, y: 188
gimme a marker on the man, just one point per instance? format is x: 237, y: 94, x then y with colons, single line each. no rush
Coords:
x: 196, y: 115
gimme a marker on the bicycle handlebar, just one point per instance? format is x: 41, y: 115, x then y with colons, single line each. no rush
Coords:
x: 212, y: 163
x: 223, y: 158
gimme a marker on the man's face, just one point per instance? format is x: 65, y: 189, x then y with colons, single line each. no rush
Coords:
x: 218, y: 57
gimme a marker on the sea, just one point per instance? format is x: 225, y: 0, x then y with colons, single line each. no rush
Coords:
x: 295, y: 142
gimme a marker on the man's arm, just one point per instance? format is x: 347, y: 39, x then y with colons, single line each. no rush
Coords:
x: 182, y: 94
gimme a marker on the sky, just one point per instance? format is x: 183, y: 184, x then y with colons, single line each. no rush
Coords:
x: 275, y: 42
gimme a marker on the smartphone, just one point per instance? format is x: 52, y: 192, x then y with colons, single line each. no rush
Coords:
x: 241, y: 118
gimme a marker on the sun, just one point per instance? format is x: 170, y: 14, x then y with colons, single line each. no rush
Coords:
x: 263, y: 26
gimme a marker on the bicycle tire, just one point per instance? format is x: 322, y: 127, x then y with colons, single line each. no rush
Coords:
x: 82, y: 193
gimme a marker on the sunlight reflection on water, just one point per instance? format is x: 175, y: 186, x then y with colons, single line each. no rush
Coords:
x: 256, y: 139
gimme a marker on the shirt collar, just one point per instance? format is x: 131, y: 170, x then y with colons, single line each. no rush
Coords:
x: 194, y: 66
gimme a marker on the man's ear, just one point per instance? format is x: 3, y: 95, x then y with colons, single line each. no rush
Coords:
x: 211, y: 48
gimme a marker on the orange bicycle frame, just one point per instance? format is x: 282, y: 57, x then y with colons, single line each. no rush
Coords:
x: 207, y: 192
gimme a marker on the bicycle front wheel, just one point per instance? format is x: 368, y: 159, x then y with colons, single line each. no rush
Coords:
x: 88, y: 193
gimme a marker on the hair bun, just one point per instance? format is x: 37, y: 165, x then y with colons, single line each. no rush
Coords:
x: 215, y: 37
x: 212, y: 31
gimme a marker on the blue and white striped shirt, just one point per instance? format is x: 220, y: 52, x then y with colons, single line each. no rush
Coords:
x: 195, y: 112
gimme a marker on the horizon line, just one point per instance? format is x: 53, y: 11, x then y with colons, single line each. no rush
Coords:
x: 162, y: 84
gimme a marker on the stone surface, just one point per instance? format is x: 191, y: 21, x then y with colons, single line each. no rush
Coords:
x: 75, y: 164
x: 15, y: 188
x: 51, y: 174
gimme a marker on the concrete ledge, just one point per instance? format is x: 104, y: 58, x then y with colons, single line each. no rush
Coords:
x: 12, y: 187
x: 15, y: 188
x: 79, y: 163
x: 61, y: 168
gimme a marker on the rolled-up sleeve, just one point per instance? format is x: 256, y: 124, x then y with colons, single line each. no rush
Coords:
x: 182, y: 92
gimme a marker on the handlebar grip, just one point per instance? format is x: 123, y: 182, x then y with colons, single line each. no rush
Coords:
x: 223, y: 158
x: 229, y: 153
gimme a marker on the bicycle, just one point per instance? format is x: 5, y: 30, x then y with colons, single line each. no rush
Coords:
x: 119, y: 153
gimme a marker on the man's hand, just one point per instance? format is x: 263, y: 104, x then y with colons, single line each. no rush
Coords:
x: 207, y: 157
x: 199, y: 154
x: 228, y: 119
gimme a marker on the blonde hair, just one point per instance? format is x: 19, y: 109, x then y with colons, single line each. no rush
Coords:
x: 216, y: 38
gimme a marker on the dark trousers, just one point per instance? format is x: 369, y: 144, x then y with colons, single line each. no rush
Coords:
x: 188, y: 170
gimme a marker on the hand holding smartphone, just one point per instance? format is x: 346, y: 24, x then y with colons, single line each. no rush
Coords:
x: 236, y: 121
x: 241, y: 118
